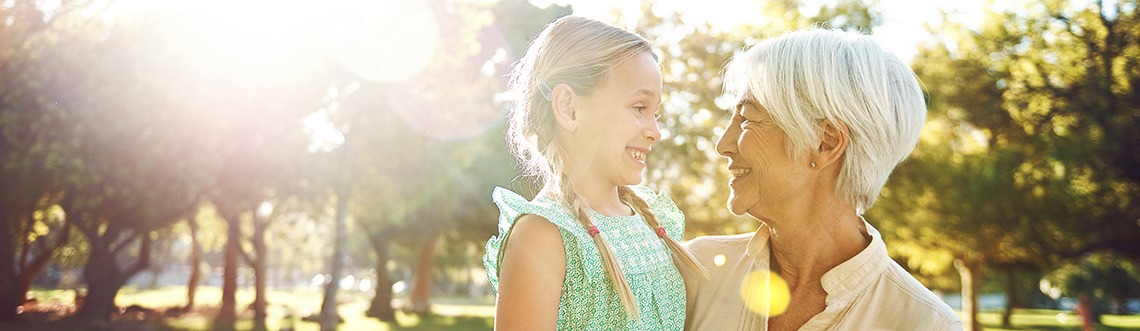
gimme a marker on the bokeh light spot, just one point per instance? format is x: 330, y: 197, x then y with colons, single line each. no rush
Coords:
x: 765, y: 293
x: 718, y: 260
x: 1062, y: 318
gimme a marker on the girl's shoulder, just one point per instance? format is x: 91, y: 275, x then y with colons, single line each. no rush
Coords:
x: 512, y: 207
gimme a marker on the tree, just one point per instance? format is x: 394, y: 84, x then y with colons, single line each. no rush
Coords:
x: 29, y: 150
x: 1104, y: 277
x: 249, y: 97
x: 445, y: 125
x: 103, y: 167
x: 142, y: 136
x: 195, y: 262
x: 1029, y: 154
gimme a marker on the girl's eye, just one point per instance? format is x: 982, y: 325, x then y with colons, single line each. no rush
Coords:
x: 657, y: 116
x: 640, y: 109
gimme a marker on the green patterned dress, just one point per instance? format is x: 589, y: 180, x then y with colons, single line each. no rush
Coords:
x: 589, y: 301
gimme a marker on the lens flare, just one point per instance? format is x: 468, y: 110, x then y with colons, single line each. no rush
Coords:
x: 765, y: 293
x: 386, y: 41
x: 455, y: 102
x: 719, y: 260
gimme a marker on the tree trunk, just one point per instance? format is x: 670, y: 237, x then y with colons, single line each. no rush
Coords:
x: 103, y: 284
x: 381, y: 307
x: 1010, y: 296
x: 104, y: 277
x: 195, y: 264
x: 259, y: 280
x: 10, y: 300
x: 969, y: 272
x: 1087, y: 307
x: 227, y: 314
x: 329, y: 318
x: 421, y: 288
x: 1087, y: 312
x: 343, y: 187
x: 16, y: 279
x: 27, y: 274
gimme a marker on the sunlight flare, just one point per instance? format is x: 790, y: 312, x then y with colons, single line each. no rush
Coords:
x: 765, y: 293
x: 386, y: 41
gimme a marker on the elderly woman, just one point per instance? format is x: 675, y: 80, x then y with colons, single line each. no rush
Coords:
x: 823, y: 118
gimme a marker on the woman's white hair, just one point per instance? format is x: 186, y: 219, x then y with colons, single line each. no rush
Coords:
x: 809, y: 76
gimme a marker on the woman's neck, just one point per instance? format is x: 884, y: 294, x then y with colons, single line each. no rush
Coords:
x: 806, y: 245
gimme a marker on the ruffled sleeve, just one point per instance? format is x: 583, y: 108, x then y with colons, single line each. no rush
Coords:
x: 511, y: 207
x: 668, y: 215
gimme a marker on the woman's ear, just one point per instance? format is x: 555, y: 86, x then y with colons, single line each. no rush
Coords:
x: 834, y: 137
x: 562, y: 101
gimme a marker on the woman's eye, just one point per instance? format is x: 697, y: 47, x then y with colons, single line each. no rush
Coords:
x: 640, y: 109
x: 745, y: 123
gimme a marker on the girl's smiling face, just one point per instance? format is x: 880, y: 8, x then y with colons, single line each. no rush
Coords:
x: 617, y: 122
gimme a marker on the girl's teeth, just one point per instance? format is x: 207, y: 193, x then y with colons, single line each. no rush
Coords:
x: 739, y: 172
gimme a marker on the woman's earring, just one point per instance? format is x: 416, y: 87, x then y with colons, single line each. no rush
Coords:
x: 813, y: 165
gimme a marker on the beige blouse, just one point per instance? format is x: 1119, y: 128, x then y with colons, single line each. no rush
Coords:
x: 868, y: 292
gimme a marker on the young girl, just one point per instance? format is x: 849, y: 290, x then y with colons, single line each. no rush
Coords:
x: 589, y: 252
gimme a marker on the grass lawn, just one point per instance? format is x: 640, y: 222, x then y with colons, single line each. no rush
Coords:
x: 1049, y: 320
x: 287, y: 307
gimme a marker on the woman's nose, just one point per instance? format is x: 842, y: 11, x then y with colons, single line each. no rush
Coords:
x: 726, y: 145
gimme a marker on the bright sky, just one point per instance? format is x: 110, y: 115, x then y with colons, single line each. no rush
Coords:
x: 902, y: 30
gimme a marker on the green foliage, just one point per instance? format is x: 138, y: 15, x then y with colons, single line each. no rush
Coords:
x: 430, y: 149
x: 1103, y: 276
x: 1027, y: 156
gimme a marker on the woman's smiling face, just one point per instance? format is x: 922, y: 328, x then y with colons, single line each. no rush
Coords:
x: 763, y: 173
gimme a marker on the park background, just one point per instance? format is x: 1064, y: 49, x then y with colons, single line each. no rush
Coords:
x: 255, y: 164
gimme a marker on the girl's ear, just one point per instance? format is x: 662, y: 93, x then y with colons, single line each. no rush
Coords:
x: 563, y: 100
x: 832, y: 144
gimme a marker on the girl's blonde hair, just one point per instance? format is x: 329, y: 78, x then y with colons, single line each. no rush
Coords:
x: 578, y: 52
